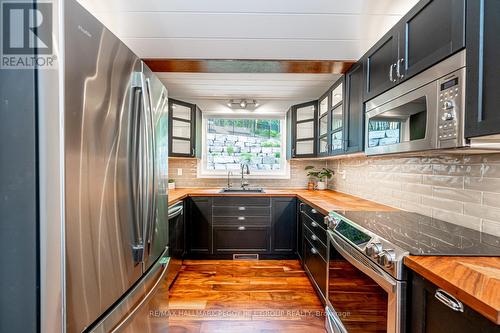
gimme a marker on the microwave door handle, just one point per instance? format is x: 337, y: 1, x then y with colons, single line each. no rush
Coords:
x: 391, y: 67
x: 378, y: 275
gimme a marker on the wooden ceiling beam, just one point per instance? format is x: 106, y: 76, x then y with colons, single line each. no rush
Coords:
x: 249, y: 66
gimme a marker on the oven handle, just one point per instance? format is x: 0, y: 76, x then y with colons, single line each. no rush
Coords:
x: 383, y: 279
x: 334, y: 324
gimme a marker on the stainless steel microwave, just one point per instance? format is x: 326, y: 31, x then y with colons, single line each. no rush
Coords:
x: 424, y: 113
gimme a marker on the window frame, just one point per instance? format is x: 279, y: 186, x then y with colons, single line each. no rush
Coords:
x: 203, y: 172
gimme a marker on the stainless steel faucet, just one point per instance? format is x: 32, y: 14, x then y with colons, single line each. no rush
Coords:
x: 229, y: 173
x: 243, y: 182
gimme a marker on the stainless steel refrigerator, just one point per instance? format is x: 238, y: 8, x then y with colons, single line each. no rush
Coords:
x: 115, y: 186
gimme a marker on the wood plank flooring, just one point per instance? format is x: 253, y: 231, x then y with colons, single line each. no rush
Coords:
x: 226, y: 296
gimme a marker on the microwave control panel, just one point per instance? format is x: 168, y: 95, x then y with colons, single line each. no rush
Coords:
x: 450, y: 103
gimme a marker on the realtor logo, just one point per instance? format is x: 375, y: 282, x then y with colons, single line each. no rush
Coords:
x: 27, y: 35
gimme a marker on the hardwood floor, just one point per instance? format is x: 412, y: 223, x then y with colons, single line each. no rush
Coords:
x: 226, y: 296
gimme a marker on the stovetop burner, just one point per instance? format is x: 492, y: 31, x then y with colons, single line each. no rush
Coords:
x: 423, y: 235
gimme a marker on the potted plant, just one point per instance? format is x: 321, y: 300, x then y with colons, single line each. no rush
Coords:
x: 321, y: 176
x: 171, y: 184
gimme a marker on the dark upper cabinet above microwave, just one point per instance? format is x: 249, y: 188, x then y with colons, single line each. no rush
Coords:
x: 354, y: 109
x: 482, y: 116
x: 430, y: 32
x: 184, y: 129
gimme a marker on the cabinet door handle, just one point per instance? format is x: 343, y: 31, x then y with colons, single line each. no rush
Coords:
x: 314, y: 224
x: 241, y: 218
x: 300, y: 207
x: 398, y: 68
x: 241, y: 228
x: 314, y: 211
x: 241, y: 208
x: 192, y: 152
x: 314, y: 238
x: 391, y: 67
x: 314, y: 251
x: 449, y: 300
x: 293, y: 152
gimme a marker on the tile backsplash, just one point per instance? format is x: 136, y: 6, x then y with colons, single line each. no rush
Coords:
x: 461, y: 189
x: 189, y: 178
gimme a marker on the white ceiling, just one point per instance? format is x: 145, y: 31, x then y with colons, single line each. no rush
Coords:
x: 243, y: 29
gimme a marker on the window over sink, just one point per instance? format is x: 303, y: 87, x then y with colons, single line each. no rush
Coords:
x: 228, y: 142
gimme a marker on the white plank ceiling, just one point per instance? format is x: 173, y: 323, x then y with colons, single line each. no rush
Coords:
x: 242, y: 29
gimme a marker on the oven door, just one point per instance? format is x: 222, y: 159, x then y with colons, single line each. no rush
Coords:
x: 403, y: 124
x: 362, y: 298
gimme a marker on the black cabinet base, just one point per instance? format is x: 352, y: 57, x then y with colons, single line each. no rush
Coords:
x: 229, y: 256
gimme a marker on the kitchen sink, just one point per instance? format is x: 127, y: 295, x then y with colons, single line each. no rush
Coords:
x: 242, y: 190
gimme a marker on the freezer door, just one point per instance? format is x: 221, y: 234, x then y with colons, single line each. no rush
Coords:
x: 103, y: 233
x: 156, y: 238
x: 144, y: 309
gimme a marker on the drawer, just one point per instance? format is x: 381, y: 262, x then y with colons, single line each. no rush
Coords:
x: 241, y: 201
x: 241, y: 211
x: 315, y: 242
x: 316, y: 266
x: 247, y: 220
x: 314, y: 226
x: 313, y: 214
x: 241, y: 238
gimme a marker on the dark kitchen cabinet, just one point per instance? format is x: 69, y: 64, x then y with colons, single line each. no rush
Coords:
x: 323, y: 126
x: 304, y: 131
x: 431, y: 31
x: 315, y: 265
x: 336, y: 121
x: 427, y: 314
x: 380, y: 65
x: 284, y: 225
x: 241, y: 239
x: 482, y: 116
x: 199, y: 225
x: 184, y: 129
x: 354, y: 109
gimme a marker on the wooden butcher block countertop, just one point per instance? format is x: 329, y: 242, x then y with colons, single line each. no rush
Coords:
x: 324, y: 201
x: 473, y: 280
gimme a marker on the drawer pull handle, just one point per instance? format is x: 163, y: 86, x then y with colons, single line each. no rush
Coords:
x: 241, y: 208
x: 242, y: 228
x: 314, y: 238
x: 314, y: 251
x: 449, y: 300
x: 314, y: 211
x: 314, y: 224
x: 241, y: 218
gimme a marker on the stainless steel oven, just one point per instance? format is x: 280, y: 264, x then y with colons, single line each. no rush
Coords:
x: 424, y: 113
x: 362, y: 294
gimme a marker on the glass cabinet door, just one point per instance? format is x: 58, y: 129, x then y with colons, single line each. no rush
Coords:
x: 305, y: 131
x: 337, y: 120
x: 181, y: 128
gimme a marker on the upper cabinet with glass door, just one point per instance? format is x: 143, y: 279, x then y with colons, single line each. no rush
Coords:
x: 323, y: 127
x: 304, y: 130
x: 184, y: 129
x: 337, y: 118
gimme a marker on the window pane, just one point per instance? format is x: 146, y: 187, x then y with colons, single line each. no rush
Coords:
x: 337, y: 140
x: 305, y: 147
x: 337, y: 117
x: 232, y: 142
x: 337, y: 95
x: 305, y: 130
x: 323, y: 106
x: 181, y: 146
x: 181, y: 129
x: 306, y: 112
x: 323, y: 125
x: 181, y: 111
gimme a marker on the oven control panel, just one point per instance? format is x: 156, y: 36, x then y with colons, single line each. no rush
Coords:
x: 450, y: 109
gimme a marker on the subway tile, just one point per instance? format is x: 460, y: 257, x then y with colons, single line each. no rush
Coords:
x: 448, y: 169
x: 484, y: 170
x: 482, y: 184
x: 408, y: 196
x: 445, y: 181
x: 486, y: 158
x: 417, y: 168
x: 492, y: 228
x: 408, y: 178
x: 416, y: 208
x: 417, y: 188
x: 456, y: 194
x: 450, y: 205
x: 471, y: 222
x: 491, y: 199
x: 445, y: 159
x: 484, y: 212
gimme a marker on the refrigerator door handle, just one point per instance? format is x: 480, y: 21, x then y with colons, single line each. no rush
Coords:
x: 152, y: 166
x: 136, y: 169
